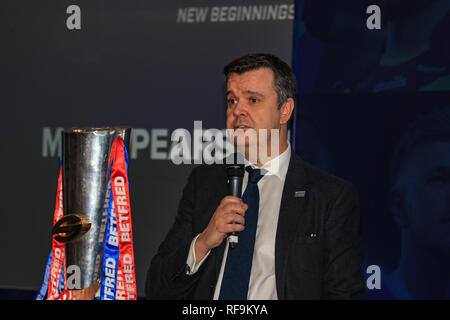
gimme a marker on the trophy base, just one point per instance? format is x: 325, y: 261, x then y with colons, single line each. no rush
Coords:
x: 87, y: 293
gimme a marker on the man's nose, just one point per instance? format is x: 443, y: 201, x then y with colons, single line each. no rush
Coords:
x: 241, y: 108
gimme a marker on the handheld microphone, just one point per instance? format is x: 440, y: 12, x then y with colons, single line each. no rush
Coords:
x: 235, y: 175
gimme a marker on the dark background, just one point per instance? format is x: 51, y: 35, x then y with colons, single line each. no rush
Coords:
x: 353, y: 111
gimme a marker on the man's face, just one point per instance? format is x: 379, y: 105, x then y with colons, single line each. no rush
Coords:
x: 426, y: 180
x: 252, y: 102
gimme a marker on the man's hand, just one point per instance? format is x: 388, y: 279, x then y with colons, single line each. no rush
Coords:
x: 228, y: 217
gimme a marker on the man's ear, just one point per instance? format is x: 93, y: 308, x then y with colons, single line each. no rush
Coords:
x: 286, y: 110
x: 398, y: 207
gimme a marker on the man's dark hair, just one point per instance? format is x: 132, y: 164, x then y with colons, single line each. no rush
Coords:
x: 285, y: 83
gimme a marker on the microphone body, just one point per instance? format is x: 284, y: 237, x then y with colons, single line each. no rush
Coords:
x: 235, y: 175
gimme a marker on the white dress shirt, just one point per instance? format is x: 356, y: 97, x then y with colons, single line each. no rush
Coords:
x: 262, y: 285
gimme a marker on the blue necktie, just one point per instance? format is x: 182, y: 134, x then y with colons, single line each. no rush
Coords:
x: 236, y: 275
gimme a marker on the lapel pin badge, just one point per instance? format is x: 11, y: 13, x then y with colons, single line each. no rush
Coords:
x: 300, y: 194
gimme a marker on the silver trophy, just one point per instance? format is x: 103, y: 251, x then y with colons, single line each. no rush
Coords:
x: 85, y: 158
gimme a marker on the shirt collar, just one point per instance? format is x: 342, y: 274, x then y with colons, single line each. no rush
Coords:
x: 277, y: 166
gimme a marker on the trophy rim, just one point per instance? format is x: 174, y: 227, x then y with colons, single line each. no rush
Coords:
x: 121, y: 131
x: 93, y: 129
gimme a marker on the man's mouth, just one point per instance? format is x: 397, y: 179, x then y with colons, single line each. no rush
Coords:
x: 242, y: 126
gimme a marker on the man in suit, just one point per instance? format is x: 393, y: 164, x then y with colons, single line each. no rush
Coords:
x: 299, y: 226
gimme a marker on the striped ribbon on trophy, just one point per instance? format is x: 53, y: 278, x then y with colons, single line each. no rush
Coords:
x: 118, y: 280
x: 118, y: 274
x: 54, y: 281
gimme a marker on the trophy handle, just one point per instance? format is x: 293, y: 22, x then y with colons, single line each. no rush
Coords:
x: 71, y: 227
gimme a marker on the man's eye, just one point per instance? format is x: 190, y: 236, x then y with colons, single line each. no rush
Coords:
x: 231, y: 101
x: 254, y: 100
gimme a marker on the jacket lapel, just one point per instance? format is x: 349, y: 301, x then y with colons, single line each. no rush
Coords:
x: 290, y: 210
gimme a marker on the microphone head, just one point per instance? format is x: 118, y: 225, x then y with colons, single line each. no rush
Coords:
x: 235, y: 170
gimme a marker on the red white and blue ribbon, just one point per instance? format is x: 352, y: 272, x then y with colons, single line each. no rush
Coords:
x: 54, y: 282
x: 118, y: 271
x: 118, y: 278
